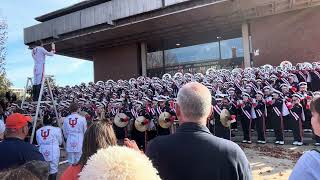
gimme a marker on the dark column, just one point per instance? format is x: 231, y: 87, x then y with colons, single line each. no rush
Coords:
x: 121, y: 62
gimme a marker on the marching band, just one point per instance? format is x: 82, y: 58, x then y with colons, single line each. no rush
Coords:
x: 266, y: 99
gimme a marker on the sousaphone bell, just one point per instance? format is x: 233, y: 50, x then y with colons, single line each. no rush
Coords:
x: 141, y: 123
x: 165, y: 120
x: 121, y: 120
x: 225, y: 118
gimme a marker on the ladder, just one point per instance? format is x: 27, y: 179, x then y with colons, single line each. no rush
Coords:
x: 45, y: 81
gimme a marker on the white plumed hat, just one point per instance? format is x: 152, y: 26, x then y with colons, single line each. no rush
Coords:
x: 119, y: 163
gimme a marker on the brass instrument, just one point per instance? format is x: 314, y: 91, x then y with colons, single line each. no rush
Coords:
x: 225, y: 118
x: 165, y: 120
x: 121, y: 120
x: 141, y: 123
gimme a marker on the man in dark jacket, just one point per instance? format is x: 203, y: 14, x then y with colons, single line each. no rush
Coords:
x: 13, y: 150
x: 193, y: 152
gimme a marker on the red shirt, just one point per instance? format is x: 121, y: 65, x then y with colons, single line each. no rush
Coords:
x: 71, y: 173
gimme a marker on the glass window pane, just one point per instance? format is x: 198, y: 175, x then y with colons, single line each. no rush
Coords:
x: 231, y: 48
x: 190, y: 54
x: 154, y: 60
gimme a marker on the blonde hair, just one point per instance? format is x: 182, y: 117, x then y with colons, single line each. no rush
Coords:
x: 119, y: 163
x: 99, y: 135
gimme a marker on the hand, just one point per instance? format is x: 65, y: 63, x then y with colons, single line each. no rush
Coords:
x: 131, y: 144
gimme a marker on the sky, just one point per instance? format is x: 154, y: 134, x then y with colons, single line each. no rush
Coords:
x: 20, y: 14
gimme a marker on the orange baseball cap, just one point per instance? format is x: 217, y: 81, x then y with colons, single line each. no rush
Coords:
x: 17, y: 121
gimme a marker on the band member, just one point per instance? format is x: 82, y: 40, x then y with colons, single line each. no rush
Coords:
x: 151, y: 113
x: 120, y: 131
x: 292, y: 80
x: 276, y: 117
x: 39, y: 54
x: 160, y: 109
x: 74, y: 127
x: 260, y: 110
x: 49, y: 139
x: 296, y: 117
x: 222, y: 102
x: 305, y: 102
x: 233, y: 101
x: 315, y: 79
x: 136, y: 135
x: 287, y: 98
x: 211, y: 119
x: 246, y: 117
x: 268, y: 99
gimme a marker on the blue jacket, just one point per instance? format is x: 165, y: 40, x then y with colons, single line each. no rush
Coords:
x: 15, y: 152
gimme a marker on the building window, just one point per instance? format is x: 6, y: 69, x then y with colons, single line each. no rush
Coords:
x: 197, y: 58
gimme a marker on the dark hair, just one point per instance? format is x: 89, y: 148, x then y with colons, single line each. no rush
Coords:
x: 33, y: 170
x: 38, y: 43
x: 315, y: 105
x: 73, y: 107
x: 99, y: 135
x: 19, y: 173
x: 47, y: 119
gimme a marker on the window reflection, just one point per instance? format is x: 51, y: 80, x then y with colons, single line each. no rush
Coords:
x: 197, y: 58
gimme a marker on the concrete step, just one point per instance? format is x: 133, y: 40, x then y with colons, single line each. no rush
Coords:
x: 271, y: 134
x: 270, y: 137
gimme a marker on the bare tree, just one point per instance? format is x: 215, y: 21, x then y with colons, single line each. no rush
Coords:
x: 4, y: 82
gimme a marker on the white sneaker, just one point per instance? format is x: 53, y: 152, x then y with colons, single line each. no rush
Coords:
x: 244, y: 141
x: 249, y: 142
x: 277, y: 142
x: 263, y: 142
x: 299, y: 144
x: 317, y: 144
x: 281, y: 142
x: 295, y: 143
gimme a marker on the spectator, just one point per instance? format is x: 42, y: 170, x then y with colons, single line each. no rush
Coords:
x: 49, y: 138
x: 2, y: 129
x: 308, y: 165
x: 74, y: 127
x: 193, y: 152
x: 119, y: 163
x: 99, y: 135
x: 33, y: 170
x: 13, y: 150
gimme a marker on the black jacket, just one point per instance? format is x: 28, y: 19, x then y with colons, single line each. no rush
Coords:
x: 194, y: 153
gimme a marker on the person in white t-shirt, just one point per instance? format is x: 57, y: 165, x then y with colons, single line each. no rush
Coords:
x: 74, y: 127
x: 39, y: 54
x: 49, y: 138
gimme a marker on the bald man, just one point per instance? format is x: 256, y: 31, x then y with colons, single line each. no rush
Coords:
x: 193, y: 152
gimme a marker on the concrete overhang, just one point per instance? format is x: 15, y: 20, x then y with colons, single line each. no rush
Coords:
x: 186, y: 23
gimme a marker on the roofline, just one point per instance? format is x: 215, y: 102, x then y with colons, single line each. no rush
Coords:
x: 70, y: 9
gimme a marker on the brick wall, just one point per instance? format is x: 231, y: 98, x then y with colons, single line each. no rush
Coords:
x: 293, y: 36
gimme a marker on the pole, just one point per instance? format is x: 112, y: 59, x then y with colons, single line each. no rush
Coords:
x: 219, y: 50
x: 219, y: 43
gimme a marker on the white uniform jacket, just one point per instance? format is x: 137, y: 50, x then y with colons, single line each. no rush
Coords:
x: 49, y: 139
x: 74, y: 127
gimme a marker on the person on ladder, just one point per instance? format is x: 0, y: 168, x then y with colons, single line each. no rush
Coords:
x: 39, y: 54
